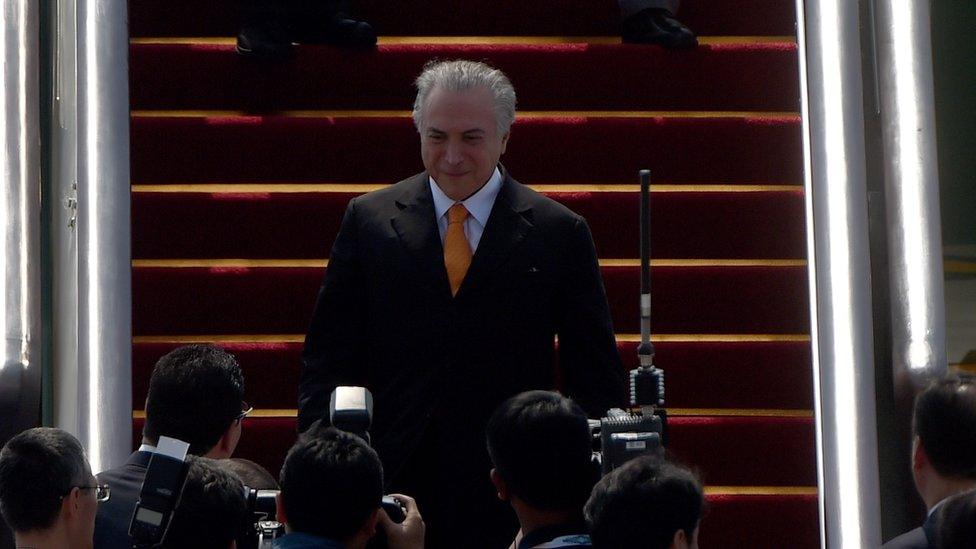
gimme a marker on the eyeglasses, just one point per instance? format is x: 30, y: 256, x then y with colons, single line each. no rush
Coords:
x: 247, y: 409
x: 102, y: 491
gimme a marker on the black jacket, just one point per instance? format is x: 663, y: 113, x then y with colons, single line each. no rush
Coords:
x: 385, y: 318
x: 114, y: 515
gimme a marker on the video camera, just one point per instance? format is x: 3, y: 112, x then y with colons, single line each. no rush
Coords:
x: 642, y: 429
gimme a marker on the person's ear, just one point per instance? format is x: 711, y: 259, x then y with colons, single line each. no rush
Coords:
x: 920, y: 459
x: 505, y: 142
x: 71, y: 503
x: 228, y: 442
x: 501, y: 488
x: 369, y: 528
x: 281, y: 514
x: 680, y: 540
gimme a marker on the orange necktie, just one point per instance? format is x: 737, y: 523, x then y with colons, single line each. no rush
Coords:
x: 457, y: 251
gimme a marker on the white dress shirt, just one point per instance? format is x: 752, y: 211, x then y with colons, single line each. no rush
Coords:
x: 478, y: 205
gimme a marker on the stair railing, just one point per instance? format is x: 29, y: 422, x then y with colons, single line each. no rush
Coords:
x: 20, y: 224
x: 907, y: 100
x: 92, y: 305
x: 835, y: 174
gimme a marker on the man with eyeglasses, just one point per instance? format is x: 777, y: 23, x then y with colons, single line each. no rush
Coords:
x: 196, y: 394
x: 48, y: 495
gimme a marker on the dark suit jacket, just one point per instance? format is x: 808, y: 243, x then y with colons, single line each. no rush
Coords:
x: 919, y: 538
x: 114, y: 515
x: 438, y: 364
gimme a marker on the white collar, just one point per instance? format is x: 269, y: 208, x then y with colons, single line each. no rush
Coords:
x: 147, y: 448
x: 478, y: 205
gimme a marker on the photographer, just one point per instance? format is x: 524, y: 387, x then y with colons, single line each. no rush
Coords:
x: 539, y: 443
x: 211, y: 510
x: 331, y: 489
x: 48, y: 495
x: 647, y: 503
x: 195, y: 395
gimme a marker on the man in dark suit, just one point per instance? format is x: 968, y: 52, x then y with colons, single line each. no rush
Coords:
x: 443, y: 295
x: 195, y: 395
x: 943, y: 451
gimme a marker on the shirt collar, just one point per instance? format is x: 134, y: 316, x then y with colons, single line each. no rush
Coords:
x: 147, y: 448
x: 478, y: 205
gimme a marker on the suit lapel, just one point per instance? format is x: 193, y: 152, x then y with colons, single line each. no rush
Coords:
x: 507, y: 227
x: 416, y: 227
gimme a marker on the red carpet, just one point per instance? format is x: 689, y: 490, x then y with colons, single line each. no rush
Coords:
x: 756, y: 149
x: 303, y: 225
x: 546, y: 76
x: 240, y: 264
x: 247, y: 300
x: 479, y: 17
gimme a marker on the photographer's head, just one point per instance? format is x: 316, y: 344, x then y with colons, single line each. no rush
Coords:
x: 196, y: 395
x: 48, y: 495
x: 539, y: 443
x: 211, y: 511
x: 331, y: 487
x: 647, y: 503
x: 944, y: 454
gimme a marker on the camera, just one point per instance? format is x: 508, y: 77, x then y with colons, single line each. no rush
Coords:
x: 622, y: 435
x: 350, y: 410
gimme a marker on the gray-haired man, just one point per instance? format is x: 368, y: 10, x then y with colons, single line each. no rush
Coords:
x: 443, y: 295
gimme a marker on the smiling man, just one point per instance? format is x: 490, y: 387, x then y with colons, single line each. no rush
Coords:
x: 444, y: 294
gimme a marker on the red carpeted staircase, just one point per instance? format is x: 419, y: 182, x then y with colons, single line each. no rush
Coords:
x: 241, y: 172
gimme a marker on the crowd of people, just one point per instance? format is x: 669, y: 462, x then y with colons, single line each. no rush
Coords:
x: 332, y: 482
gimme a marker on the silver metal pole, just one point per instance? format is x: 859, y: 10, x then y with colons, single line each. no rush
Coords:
x: 104, y: 258
x: 912, y: 192
x: 839, y: 272
x: 64, y: 221
x: 20, y: 205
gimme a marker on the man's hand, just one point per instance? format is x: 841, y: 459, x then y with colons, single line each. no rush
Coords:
x: 410, y: 533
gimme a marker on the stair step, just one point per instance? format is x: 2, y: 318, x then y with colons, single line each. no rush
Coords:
x: 755, y: 149
x: 724, y: 76
x: 767, y: 224
x: 687, y: 299
x: 760, y: 520
x: 773, y: 451
x: 744, y: 373
x: 426, y: 17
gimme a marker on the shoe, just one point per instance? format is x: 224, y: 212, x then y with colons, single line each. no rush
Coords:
x: 337, y: 29
x: 263, y: 41
x: 657, y: 26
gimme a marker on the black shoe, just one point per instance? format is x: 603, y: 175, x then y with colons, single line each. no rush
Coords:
x: 264, y: 41
x: 657, y: 26
x: 338, y: 30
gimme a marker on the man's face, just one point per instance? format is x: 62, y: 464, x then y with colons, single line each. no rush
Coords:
x: 459, y: 141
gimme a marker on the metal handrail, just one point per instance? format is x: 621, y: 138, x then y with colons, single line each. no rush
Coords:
x: 839, y: 273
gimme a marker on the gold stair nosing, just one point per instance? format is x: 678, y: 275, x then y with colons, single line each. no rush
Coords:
x: 350, y: 188
x: 625, y: 338
x: 241, y: 263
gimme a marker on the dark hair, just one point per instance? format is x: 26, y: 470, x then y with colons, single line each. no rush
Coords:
x: 330, y: 484
x: 211, y: 510
x: 955, y: 522
x: 195, y: 392
x: 539, y: 442
x: 944, y: 420
x: 251, y: 474
x: 644, y: 503
x: 37, y: 468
